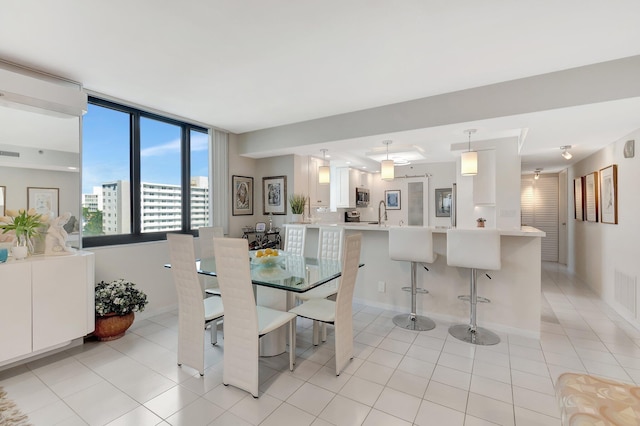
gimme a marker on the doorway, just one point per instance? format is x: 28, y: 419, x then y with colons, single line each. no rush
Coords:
x: 540, y: 208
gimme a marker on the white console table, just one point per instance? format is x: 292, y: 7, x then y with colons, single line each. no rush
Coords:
x: 45, y: 303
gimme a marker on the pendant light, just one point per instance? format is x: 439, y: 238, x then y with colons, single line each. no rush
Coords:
x: 324, y: 172
x: 387, y: 171
x: 536, y: 173
x: 469, y: 159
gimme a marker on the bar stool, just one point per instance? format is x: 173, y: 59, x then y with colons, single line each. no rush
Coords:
x: 413, y: 244
x: 475, y: 249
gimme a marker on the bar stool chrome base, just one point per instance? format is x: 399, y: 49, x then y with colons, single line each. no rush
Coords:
x: 479, y: 336
x: 414, y: 322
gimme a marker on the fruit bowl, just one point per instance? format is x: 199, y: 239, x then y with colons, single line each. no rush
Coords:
x: 267, y: 257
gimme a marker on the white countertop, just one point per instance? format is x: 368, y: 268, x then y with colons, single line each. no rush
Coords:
x: 524, y: 231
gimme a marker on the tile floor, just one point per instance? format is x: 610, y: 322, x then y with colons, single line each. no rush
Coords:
x: 396, y: 378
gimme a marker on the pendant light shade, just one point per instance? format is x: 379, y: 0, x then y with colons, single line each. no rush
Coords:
x: 387, y: 171
x: 324, y: 172
x: 469, y: 159
x: 469, y: 163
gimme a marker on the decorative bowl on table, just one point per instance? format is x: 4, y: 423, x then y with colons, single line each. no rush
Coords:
x: 267, y: 257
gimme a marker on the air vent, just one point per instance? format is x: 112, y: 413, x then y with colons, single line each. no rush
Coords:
x: 625, y: 291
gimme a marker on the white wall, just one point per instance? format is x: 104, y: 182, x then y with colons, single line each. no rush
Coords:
x: 597, y: 250
x: 242, y: 166
x: 294, y: 167
x: 142, y: 264
x: 18, y: 179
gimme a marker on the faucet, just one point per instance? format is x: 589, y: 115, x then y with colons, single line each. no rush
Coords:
x: 382, y: 203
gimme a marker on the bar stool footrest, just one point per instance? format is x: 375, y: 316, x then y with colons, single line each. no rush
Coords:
x: 418, y: 290
x: 479, y: 299
x: 479, y: 336
x: 414, y: 322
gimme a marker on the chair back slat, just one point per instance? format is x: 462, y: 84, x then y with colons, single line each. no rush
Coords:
x: 294, y: 239
x: 330, y: 241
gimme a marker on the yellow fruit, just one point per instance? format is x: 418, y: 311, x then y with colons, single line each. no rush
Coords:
x: 259, y: 253
x: 275, y: 253
x: 268, y: 252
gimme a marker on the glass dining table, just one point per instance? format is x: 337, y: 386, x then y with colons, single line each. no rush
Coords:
x: 296, y: 274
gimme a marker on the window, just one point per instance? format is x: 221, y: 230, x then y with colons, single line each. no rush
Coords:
x: 143, y: 175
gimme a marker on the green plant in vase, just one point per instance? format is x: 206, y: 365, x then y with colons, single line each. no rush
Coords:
x: 297, y: 203
x: 25, y: 225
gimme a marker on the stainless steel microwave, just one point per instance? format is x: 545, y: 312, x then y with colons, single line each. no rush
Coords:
x: 362, y: 197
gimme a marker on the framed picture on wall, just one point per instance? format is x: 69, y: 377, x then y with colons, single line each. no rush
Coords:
x: 392, y: 198
x: 591, y: 197
x: 609, y: 194
x: 443, y: 202
x: 274, y: 194
x: 577, y: 199
x: 3, y: 199
x: 44, y: 200
x: 242, y: 195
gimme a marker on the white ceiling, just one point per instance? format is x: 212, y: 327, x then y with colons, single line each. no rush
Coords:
x: 247, y: 65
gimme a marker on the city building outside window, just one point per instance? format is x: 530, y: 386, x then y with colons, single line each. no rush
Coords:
x: 143, y: 175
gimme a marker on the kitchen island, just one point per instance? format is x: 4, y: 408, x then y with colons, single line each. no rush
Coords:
x: 514, y: 290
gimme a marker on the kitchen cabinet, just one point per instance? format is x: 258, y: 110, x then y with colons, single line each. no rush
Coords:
x: 45, y: 302
x: 484, y: 183
x: 343, y: 187
x: 344, y: 181
x: 318, y: 192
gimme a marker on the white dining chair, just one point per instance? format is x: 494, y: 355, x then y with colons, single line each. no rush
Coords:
x: 244, y: 321
x: 338, y: 312
x: 330, y: 242
x: 195, y: 312
x: 294, y: 239
x: 206, y: 235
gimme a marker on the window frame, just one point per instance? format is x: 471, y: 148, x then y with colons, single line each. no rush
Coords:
x: 135, y: 235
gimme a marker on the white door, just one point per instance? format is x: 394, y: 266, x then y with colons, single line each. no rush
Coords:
x: 539, y: 208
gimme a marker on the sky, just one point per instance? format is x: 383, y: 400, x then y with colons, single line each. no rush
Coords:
x: 105, y: 156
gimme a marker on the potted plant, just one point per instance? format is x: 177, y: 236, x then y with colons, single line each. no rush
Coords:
x: 297, y: 203
x: 116, y: 302
x: 481, y: 221
x: 25, y: 225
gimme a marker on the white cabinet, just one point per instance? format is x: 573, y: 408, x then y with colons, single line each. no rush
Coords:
x: 318, y: 192
x: 45, y: 301
x: 343, y: 187
x: 344, y: 181
x: 15, y: 310
x: 484, y: 183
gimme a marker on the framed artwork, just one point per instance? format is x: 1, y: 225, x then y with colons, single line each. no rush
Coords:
x: 443, y: 202
x: 3, y: 199
x: 591, y: 197
x: 44, y: 200
x: 577, y: 199
x: 242, y: 195
x: 392, y: 198
x: 274, y: 194
x: 261, y: 227
x: 609, y: 194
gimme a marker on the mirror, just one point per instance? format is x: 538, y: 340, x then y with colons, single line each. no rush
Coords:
x: 38, y: 150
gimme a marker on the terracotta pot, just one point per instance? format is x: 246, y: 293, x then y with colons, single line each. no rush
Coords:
x: 112, y: 326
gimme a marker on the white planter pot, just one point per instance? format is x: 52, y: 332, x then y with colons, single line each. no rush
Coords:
x: 19, y: 252
x: 296, y: 218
